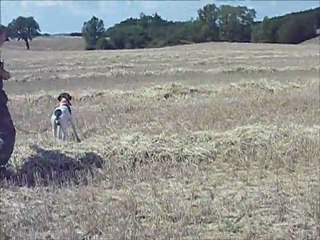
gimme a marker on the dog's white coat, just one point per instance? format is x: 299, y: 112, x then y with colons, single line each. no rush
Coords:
x: 60, y: 130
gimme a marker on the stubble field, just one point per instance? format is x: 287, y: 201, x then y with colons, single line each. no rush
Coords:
x: 205, y: 141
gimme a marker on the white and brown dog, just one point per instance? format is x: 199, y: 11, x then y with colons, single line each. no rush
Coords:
x: 62, y: 117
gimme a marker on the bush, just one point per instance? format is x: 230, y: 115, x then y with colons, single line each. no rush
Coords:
x: 75, y: 34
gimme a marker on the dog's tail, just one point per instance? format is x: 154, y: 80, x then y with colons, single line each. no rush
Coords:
x: 57, y: 113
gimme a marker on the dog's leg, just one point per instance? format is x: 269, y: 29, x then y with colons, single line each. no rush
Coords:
x: 59, y: 132
x: 74, y: 131
x: 54, y: 128
x: 63, y: 129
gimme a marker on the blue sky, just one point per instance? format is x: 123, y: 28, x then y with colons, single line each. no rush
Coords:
x: 69, y: 16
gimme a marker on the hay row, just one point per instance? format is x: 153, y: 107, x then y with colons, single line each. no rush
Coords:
x: 167, y: 91
x: 120, y: 70
x: 267, y: 85
x: 239, y: 143
x: 274, y: 146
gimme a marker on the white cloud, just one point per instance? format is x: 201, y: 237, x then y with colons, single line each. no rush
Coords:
x: 24, y: 3
x: 150, y: 6
x: 50, y: 3
x: 273, y: 3
x: 107, y: 5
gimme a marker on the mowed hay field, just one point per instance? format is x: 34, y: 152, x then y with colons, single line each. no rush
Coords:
x: 204, y: 141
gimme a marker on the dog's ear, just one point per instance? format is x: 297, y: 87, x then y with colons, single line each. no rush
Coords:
x: 59, y: 97
x: 69, y: 97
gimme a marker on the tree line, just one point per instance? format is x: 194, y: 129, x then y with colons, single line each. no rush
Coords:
x: 223, y: 23
x: 291, y: 28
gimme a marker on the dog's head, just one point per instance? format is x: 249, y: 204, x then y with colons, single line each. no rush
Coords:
x: 66, y: 96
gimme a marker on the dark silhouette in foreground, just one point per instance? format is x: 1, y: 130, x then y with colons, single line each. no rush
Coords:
x: 7, y: 129
x: 48, y: 167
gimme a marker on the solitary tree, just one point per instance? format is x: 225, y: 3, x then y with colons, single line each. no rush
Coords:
x: 92, y: 31
x: 25, y: 28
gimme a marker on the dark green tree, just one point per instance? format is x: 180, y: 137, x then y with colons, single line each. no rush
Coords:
x: 228, y: 23
x: 265, y: 31
x: 246, y: 18
x: 290, y: 28
x: 92, y: 31
x: 268, y: 32
x: 208, y: 17
x: 235, y: 23
x: 24, y: 28
x: 296, y: 30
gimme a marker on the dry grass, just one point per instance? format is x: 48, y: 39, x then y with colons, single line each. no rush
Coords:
x: 49, y: 44
x: 313, y: 41
x: 188, y: 142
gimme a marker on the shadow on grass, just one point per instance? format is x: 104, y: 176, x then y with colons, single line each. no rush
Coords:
x: 51, y: 167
